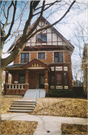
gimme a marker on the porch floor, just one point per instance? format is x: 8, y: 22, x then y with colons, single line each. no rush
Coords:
x: 35, y: 93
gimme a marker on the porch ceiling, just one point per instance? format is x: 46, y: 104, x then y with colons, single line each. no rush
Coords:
x: 38, y: 62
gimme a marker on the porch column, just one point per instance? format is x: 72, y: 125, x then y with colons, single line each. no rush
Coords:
x: 26, y: 79
x: 46, y: 85
x: 6, y: 77
x: 6, y: 81
x: 12, y: 81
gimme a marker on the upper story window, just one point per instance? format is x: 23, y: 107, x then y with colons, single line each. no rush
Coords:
x: 58, y: 57
x: 41, y: 38
x: 24, y: 57
x: 41, y: 55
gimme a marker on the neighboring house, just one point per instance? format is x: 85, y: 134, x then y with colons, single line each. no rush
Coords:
x: 44, y: 63
x: 85, y: 68
x: 77, y: 83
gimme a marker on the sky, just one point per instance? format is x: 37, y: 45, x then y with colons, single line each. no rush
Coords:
x: 77, y: 14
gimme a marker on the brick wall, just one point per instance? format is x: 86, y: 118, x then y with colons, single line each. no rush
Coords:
x: 49, y: 57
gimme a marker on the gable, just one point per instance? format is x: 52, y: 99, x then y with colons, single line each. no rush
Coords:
x: 36, y: 64
x: 53, y: 36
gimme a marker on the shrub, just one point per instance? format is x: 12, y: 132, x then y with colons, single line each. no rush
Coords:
x: 62, y: 93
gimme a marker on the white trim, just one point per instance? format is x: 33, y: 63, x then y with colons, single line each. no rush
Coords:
x: 35, y: 68
x: 41, y: 52
x: 46, y: 84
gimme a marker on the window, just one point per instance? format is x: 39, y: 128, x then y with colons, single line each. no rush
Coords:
x: 22, y: 79
x: 24, y: 57
x: 52, y: 79
x: 41, y: 55
x: 59, y: 78
x: 58, y: 57
x: 41, y: 38
x: 66, y: 78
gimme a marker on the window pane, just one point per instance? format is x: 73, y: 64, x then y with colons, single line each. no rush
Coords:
x: 52, y: 80
x: 65, y: 78
x: 27, y: 55
x: 22, y: 55
x: 60, y: 57
x: 27, y: 60
x: 22, y: 79
x: 56, y: 54
x: 55, y: 59
x: 43, y: 37
x: 22, y: 60
x: 39, y: 38
x: 59, y: 78
x: 41, y: 55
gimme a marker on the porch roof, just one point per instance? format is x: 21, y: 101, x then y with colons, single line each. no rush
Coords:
x: 38, y: 62
x: 14, y: 66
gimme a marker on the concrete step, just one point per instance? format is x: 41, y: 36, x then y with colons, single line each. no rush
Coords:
x: 24, y: 102
x: 21, y: 108
x: 23, y: 105
x: 20, y: 111
x: 18, y: 105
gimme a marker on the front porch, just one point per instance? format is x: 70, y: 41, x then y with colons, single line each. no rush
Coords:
x: 33, y: 75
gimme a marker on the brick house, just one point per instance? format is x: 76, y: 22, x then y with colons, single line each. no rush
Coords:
x: 44, y: 63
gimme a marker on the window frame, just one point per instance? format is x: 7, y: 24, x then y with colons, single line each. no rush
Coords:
x: 19, y: 80
x: 58, y: 53
x: 41, y: 53
x: 41, y: 35
x: 25, y: 58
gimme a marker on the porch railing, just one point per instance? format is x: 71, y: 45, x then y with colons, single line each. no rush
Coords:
x: 16, y: 86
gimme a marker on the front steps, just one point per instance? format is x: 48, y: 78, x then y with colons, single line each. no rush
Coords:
x: 23, y: 105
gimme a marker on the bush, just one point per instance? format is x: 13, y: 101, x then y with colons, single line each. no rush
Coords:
x: 62, y: 93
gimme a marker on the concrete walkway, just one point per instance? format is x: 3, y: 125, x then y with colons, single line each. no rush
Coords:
x: 35, y: 93
x: 45, y: 123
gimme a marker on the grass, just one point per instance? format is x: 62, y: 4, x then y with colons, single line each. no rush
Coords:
x: 65, y: 107
x: 18, y: 127
x: 74, y: 129
x: 6, y: 103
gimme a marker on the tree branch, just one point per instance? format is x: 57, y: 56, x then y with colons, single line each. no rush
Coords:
x: 27, y: 24
x: 51, y: 4
x: 53, y: 23
x: 12, y: 20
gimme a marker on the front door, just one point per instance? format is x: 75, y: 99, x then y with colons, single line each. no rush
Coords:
x: 32, y: 80
x: 41, y: 81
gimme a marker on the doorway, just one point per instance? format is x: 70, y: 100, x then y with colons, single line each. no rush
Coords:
x: 41, y: 80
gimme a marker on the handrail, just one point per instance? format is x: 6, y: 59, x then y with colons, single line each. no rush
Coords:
x: 35, y: 97
x: 37, y: 94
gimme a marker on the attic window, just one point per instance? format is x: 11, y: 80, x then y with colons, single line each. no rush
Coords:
x: 41, y: 38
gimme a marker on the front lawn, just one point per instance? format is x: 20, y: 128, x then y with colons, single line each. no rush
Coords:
x: 65, y: 107
x: 18, y: 127
x: 74, y: 129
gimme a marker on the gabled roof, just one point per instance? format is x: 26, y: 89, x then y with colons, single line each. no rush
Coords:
x: 57, y: 32
x: 53, y: 29
x: 36, y: 61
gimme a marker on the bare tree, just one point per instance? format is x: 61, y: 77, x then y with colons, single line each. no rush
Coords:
x: 79, y: 40
x: 9, y: 17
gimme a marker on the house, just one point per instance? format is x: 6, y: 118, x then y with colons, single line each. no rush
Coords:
x: 85, y: 68
x: 44, y: 63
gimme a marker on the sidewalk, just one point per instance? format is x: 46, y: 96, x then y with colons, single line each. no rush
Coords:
x: 47, y: 125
